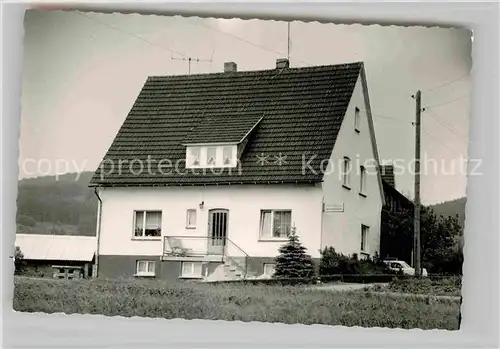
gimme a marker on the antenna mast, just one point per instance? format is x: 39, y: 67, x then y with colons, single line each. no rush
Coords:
x: 289, y: 42
x: 191, y: 59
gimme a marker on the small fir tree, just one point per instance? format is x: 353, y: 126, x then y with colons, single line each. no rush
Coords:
x: 293, y: 261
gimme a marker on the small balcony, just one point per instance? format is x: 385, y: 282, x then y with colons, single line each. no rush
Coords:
x: 192, y: 246
x: 205, y: 248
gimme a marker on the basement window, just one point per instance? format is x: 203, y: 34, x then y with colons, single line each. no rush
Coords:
x: 191, y: 270
x: 269, y: 269
x: 145, y: 268
x: 147, y: 224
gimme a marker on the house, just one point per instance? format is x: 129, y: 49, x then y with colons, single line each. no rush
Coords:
x: 394, y: 244
x: 59, y: 256
x: 209, y: 172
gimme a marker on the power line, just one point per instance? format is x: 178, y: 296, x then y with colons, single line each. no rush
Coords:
x: 439, y: 141
x: 448, y: 101
x: 383, y: 116
x: 449, y: 126
x: 131, y: 34
x: 446, y: 83
x: 380, y: 116
x: 245, y: 40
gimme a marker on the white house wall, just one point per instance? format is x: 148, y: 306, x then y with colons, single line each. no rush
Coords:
x: 244, y: 203
x: 342, y: 230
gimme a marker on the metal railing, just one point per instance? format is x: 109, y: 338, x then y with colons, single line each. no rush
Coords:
x: 201, y: 246
x: 232, y: 252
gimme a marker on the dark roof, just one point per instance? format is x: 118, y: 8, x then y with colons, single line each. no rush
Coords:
x: 387, y: 172
x: 302, y: 110
x: 390, y: 191
x: 222, y: 129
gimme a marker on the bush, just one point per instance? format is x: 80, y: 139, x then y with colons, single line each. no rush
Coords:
x: 19, y: 263
x: 293, y: 261
x: 439, y: 286
x: 333, y: 263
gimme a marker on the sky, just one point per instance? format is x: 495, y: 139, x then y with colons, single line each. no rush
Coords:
x: 83, y: 72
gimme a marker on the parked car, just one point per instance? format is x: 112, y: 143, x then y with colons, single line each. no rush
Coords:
x: 396, y: 265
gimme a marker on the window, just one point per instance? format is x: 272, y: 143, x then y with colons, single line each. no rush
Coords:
x: 211, y: 156
x: 346, y: 169
x: 227, y: 155
x: 147, y: 224
x: 356, y: 119
x: 362, y: 184
x: 275, y: 224
x: 145, y: 268
x: 194, y: 156
x: 191, y: 218
x: 364, y: 236
x: 191, y: 270
x: 269, y: 269
x: 395, y: 266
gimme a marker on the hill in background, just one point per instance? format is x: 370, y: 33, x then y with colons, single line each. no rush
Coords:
x: 61, y: 206
x: 452, y: 208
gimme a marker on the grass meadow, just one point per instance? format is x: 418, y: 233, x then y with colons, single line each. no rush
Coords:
x: 263, y: 303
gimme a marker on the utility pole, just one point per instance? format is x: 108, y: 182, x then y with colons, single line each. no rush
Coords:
x: 416, y: 236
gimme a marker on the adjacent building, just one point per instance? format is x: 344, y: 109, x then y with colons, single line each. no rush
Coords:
x: 57, y: 256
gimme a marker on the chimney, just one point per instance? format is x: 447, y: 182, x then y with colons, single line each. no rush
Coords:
x: 230, y: 67
x: 282, y: 63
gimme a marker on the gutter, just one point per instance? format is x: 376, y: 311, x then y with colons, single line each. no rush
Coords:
x: 98, y: 233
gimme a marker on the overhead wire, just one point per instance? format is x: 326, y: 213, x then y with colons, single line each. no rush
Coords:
x: 446, y: 83
x: 131, y: 34
x: 450, y: 127
x: 236, y: 37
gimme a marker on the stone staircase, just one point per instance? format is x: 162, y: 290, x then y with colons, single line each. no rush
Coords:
x: 230, y: 270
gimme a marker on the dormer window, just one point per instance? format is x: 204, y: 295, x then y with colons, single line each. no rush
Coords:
x: 212, y: 155
x: 227, y: 155
x: 193, y: 158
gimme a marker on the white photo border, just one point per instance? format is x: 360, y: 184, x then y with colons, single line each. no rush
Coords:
x: 480, y: 309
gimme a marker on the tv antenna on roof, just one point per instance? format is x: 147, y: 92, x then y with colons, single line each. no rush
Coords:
x: 190, y: 59
x: 289, y: 42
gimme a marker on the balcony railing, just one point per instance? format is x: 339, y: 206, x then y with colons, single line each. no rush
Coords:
x: 203, y: 246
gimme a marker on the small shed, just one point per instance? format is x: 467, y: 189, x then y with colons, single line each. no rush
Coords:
x: 59, y: 256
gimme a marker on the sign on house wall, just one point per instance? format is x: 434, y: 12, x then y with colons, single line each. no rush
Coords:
x: 337, y: 207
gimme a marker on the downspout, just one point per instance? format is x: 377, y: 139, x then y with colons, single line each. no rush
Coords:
x: 98, y: 231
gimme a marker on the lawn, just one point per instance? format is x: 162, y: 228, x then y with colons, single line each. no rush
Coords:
x: 265, y: 303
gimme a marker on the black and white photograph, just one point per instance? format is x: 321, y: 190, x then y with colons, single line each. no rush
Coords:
x: 243, y: 170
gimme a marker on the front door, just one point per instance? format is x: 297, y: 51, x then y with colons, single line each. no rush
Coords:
x: 217, y: 231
